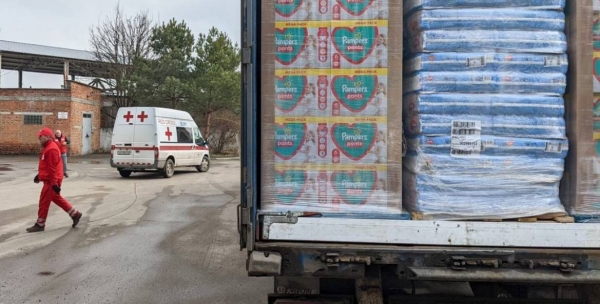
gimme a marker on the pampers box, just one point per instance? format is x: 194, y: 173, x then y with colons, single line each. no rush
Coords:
x: 362, y: 191
x: 302, y: 93
x: 359, y: 44
x: 302, y: 45
x: 359, y: 143
x: 301, y: 143
x: 361, y: 92
x: 359, y: 10
x: 302, y: 10
x: 299, y: 189
x: 359, y: 189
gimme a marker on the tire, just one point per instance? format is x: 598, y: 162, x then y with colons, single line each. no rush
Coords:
x: 169, y: 170
x: 204, y: 165
x: 125, y: 173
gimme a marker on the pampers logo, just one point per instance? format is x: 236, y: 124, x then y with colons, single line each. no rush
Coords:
x: 286, y: 139
x: 287, y: 186
x: 355, y: 140
x: 289, y: 44
x: 286, y: 45
x: 356, y: 92
x: 355, y: 43
x: 354, y: 187
x: 287, y: 91
x: 289, y: 139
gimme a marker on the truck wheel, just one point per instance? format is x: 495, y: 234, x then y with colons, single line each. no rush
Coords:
x: 204, y: 165
x: 169, y: 169
x: 125, y: 173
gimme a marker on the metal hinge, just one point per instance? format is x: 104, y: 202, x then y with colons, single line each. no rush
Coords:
x: 246, y: 55
x: 562, y: 265
x: 243, y: 217
x: 282, y: 218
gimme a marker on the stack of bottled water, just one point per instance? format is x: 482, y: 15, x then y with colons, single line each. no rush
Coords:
x: 483, y: 108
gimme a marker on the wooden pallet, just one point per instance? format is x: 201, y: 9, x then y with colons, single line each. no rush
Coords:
x: 549, y: 217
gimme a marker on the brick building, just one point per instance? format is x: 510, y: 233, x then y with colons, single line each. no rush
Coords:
x: 76, y: 111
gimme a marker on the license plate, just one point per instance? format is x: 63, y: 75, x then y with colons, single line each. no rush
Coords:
x: 124, y: 152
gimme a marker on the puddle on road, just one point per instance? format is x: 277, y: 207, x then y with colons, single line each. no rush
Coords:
x: 45, y: 273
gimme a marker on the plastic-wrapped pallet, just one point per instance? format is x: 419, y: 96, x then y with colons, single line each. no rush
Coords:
x: 483, y: 108
x: 331, y: 108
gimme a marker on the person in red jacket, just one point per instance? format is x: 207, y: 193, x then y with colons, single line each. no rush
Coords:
x: 62, y: 142
x: 50, y: 172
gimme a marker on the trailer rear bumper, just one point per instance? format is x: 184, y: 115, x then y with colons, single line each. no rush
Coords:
x: 426, y: 263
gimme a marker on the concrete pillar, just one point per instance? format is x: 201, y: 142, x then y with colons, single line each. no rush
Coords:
x: 66, y: 74
x: 20, y: 79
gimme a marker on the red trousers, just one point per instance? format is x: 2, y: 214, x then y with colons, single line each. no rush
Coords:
x: 46, y: 197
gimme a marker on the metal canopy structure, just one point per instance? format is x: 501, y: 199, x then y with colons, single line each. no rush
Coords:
x: 26, y: 57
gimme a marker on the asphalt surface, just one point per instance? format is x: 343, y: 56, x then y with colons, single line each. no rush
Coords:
x: 144, y: 239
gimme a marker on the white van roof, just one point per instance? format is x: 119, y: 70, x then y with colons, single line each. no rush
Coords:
x: 151, y: 112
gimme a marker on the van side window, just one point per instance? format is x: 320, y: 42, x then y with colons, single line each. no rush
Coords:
x: 184, y: 135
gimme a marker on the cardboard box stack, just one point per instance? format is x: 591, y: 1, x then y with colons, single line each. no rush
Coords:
x: 581, y: 185
x: 331, y: 107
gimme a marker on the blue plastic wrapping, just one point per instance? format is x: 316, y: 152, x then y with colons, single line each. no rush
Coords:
x: 484, y: 104
x: 478, y: 197
x: 485, y: 19
x: 412, y: 5
x: 483, y: 108
x: 487, y: 62
x: 508, y: 126
x: 552, y: 42
x: 486, y: 82
x: 494, y: 146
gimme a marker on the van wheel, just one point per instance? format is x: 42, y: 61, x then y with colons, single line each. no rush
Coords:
x: 204, y: 165
x: 125, y: 173
x: 169, y: 169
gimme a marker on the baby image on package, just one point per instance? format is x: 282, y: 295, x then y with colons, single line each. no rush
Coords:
x: 359, y: 94
x: 359, y: 46
x: 301, y: 95
x: 302, y: 47
x: 302, y: 10
x: 301, y: 143
x: 359, y: 143
x: 360, y: 10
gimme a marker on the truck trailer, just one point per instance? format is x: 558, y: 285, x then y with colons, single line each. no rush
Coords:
x: 340, y: 257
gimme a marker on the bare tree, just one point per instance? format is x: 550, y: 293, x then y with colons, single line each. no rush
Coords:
x: 121, y: 40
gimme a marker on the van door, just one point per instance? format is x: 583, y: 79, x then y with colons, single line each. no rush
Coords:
x: 122, y: 137
x: 200, y: 147
x: 144, y: 137
x: 185, y: 149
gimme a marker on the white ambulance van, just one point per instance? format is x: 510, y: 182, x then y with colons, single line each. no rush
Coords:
x: 146, y: 138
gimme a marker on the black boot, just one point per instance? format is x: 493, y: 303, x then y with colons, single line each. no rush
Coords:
x: 76, y: 218
x: 35, y: 228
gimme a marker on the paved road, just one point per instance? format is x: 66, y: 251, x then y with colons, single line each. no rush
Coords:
x: 145, y: 239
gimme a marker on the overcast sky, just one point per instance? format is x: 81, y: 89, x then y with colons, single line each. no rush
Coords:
x: 66, y: 23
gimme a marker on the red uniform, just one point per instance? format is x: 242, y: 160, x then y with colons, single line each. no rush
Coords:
x: 51, y: 174
x: 62, y: 144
